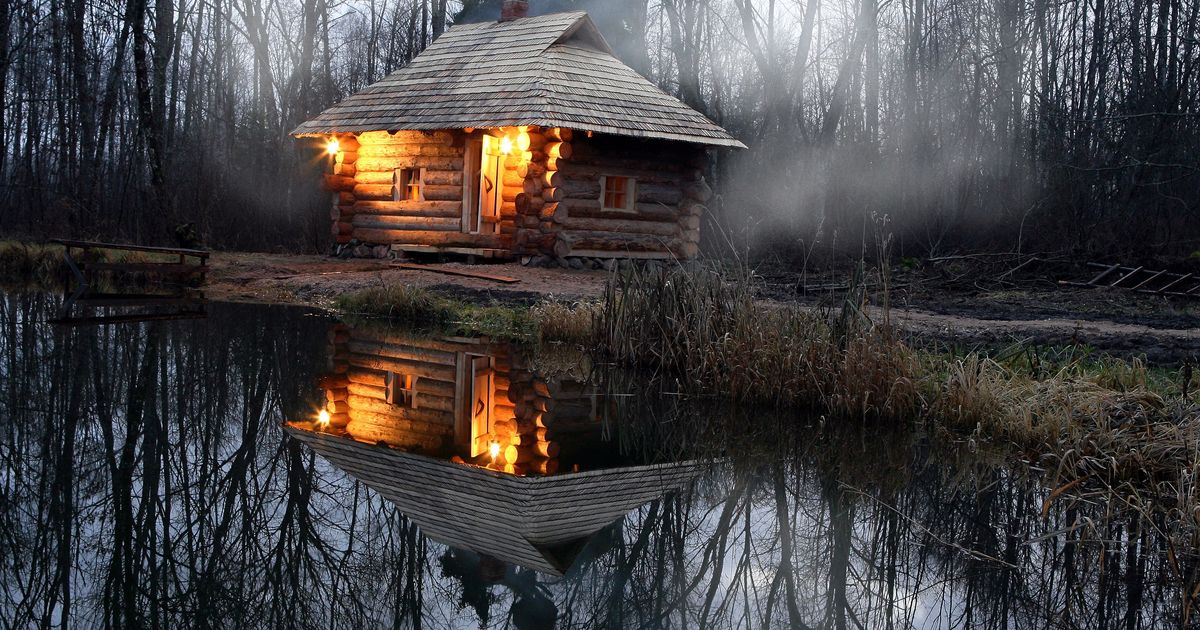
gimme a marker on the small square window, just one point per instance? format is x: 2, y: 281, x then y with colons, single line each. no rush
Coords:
x: 408, y: 184
x: 401, y: 389
x: 617, y: 192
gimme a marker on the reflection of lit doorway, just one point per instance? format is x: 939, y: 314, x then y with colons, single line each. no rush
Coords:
x: 474, y: 402
x: 484, y: 174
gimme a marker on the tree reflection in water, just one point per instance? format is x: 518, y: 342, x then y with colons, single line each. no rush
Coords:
x: 147, y: 481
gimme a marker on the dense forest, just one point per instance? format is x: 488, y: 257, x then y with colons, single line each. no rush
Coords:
x: 1000, y: 124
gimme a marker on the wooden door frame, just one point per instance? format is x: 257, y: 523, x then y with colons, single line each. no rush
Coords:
x: 476, y: 155
x: 472, y: 159
x: 464, y: 400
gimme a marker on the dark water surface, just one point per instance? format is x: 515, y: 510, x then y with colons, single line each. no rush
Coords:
x: 177, y: 474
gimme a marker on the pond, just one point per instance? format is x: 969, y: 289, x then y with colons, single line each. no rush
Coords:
x: 180, y: 473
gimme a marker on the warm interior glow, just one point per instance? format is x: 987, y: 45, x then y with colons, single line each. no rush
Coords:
x: 506, y: 145
x: 523, y: 141
x: 323, y: 418
x: 333, y: 146
x: 494, y: 449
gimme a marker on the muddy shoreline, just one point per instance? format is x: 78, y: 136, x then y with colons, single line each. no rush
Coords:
x: 1032, y: 313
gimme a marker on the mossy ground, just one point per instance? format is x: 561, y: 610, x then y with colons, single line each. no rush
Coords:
x: 544, y: 321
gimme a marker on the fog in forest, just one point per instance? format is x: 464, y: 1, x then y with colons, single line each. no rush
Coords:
x: 1006, y: 124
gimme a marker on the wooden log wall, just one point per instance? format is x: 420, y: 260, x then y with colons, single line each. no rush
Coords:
x: 561, y: 213
x: 355, y: 391
x: 529, y: 417
x: 363, y: 208
x: 550, y: 199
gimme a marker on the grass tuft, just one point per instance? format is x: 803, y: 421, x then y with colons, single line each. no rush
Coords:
x: 32, y: 265
x: 398, y: 303
x: 423, y: 308
x: 564, y: 322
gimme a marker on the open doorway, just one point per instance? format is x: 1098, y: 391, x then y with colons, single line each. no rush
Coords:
x: 474, y: 403
x: 484, y: 178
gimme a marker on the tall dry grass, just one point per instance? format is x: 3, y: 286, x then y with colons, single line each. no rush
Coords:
x: 1101, y: 426
x: 704, y: 329
x: 32, y: 265
x: 565, y: 322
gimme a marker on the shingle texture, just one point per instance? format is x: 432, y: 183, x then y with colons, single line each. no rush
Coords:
x: 552, y: 71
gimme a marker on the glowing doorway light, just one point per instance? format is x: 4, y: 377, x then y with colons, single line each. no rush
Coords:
x: 323, y: 419
x: 506, y: 145
x: 333, y: 146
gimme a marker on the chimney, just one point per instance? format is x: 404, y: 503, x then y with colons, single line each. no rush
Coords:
x: 513, y: 9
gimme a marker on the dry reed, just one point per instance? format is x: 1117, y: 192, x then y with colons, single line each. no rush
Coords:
x: 706, y: 331
x: 563, y: 322
x: 1103, y: 425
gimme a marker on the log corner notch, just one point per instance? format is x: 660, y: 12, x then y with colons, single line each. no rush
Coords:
x: 539, y: 213
x: 340, y: 181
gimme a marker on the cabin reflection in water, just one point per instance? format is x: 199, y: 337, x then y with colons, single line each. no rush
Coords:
x: 482, y: 454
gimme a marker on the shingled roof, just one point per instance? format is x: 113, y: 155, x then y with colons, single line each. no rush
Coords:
x: 539, y: 523
x: 552, y: 70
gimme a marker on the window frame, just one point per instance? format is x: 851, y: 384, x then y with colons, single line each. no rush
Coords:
x: 630, y: 193
x: 400, y: 390
x: 398, y: 175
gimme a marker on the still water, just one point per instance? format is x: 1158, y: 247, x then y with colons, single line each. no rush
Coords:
x: 180, y: 473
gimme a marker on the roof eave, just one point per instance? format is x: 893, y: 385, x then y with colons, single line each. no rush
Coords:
x: 314, y: 131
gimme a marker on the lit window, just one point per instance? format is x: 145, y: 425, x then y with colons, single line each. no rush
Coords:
x: 401, y: 389
x: 617, y: 193
x: 408, y: 184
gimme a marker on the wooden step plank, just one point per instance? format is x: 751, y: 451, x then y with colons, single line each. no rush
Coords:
x: 457, y: 272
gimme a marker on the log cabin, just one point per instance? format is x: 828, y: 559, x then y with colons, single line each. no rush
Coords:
x: 480, y: 451
x: 520, y: 137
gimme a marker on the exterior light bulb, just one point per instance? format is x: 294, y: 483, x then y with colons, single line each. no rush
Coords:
x: 333, y: 146
x: 323, y: 419
x: 494, y: 449
x: 506, y: 145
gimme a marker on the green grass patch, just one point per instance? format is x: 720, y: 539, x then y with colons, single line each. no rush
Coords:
x: 424, y: 309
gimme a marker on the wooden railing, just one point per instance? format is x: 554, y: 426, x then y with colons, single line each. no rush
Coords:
x: 181, y: 267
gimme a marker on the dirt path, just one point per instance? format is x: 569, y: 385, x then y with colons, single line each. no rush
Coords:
x: 317, y: 280
x: 1158, y: 345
